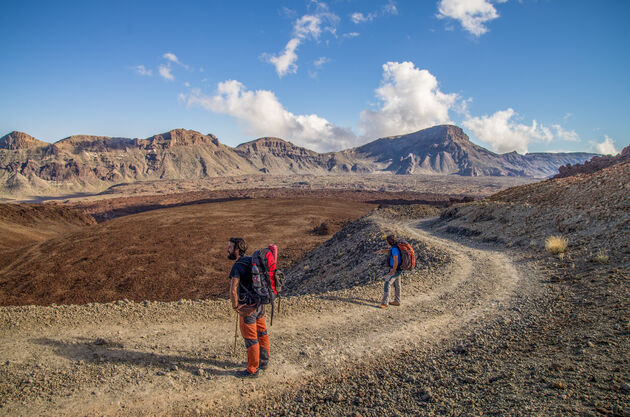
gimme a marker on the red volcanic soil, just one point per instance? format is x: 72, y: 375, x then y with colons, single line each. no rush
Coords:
x: 115, y: 207
x: 174, y: 250
x: 23, y: 224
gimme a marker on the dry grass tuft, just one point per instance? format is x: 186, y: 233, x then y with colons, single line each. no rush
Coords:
x: 556, y: 245
x: 601, y: 257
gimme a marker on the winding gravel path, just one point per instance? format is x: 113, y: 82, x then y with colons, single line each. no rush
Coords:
x: 158, y: 358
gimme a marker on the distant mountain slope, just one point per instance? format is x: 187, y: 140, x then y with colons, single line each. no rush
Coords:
x: 92, y: 163
x: 83, y: 163
x: 446, y: 149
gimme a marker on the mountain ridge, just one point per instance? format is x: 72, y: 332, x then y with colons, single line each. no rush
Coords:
x: 84, y: 162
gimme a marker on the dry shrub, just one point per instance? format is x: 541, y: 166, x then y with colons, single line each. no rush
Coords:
x: 556, y: 245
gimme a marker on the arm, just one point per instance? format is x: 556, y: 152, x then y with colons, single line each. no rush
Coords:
x: 394, y: 267
x: 242, y: 309
x: 234, y: 291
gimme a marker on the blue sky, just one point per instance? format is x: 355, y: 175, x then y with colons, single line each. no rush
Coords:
x: 529, y: 75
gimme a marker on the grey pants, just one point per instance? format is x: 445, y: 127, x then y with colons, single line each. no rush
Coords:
x: 396, y: 280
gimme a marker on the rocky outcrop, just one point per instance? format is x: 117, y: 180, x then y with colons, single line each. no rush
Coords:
x: 595, y: 164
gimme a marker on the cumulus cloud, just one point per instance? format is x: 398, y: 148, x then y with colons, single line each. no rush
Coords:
x: 505, y: 135
x: 471, y: 14
x: 308, y: 27
x: 261, y: 114
x: 607, y: 147
x: 165, y: 72
x: 410, y: 100
x: 142, y: 70
x: 351, y: 35
x: 570, y: 135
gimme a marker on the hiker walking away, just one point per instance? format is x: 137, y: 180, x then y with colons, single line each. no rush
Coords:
x: 251, y: 314
x: 394, y: 274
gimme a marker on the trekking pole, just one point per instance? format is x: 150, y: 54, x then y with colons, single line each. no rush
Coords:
x: 235, y: 336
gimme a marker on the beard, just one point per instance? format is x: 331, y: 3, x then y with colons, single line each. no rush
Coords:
x: 232, y: 256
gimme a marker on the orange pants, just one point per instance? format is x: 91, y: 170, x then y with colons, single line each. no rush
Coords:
x: 254, y: 331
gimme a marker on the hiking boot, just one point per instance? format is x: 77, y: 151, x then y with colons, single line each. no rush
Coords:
x: 383, y: 306
x: 246, y: 374
x: 263, y: 366
x: 394, y: 303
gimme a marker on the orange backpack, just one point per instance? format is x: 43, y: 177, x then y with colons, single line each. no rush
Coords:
x: 407, y: 255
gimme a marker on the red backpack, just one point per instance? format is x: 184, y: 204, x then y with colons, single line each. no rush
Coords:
x: 267, y: 280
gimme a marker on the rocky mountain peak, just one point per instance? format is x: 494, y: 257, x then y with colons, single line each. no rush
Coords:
x: 273, y: 145
x: 20, y: 140
x: 182, y: 137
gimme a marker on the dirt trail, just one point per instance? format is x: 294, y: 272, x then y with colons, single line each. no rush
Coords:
x: 158, y: 358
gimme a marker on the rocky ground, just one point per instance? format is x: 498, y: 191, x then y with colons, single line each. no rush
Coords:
x: 491, y: 324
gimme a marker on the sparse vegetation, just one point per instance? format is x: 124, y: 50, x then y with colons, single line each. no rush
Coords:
x: 556, y: 245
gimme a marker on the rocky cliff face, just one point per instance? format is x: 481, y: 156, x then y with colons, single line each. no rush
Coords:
x: 83, y: 163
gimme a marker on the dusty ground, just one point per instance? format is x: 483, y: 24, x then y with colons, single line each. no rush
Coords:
x: 162, y: 254
x: 175, y: 358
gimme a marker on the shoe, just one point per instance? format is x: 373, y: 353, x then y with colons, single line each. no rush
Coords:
x: 383, y: 306
x: 394, y: 303
x: 246, y: 374
x: 263, y: 366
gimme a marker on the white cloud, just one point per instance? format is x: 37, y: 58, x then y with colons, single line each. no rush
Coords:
x: 607, y: 147
x: 351, y: 35
x: 471, y: 14
x: 261, y: 114
x: 165, y: 72
x: 310, y: 26
x: 173, y: 58
x: 504, y: 135
x: 142, y: 70
x: 285, y: 63
x: 570, y: 135
x: 186, y: 84
x: 361, y: 18
x: 319, y: 62
x: 388, y: 9
x: 410, y: 100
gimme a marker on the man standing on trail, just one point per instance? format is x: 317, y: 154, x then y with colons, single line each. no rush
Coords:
x: 251, y: 316
x: 394, y: 274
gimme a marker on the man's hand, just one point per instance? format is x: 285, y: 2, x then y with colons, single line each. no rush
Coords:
x: 246, y: 309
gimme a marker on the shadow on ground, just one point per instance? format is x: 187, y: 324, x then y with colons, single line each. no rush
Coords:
x: 99, y: 350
